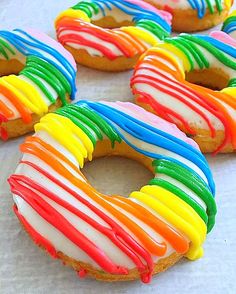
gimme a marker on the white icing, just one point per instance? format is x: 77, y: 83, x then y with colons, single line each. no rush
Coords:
x: 119, y: 16
x: 59, y: 240
x: 108, y: 45
x: 169, y: 101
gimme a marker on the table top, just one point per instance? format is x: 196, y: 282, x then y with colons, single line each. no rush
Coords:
x: 24, y: 268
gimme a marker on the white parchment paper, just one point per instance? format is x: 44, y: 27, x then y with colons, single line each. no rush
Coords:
x: 24, y: 268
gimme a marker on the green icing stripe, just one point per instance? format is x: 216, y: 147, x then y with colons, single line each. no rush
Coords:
x: 73, y: 111
x: 69, y: 114
x: 40, y: 85
x: 3, y: 46
x: 214, y: 51
x: 232, y: 83
x: 32, y: 60
x: 90, y: 118
x: 175, y: 42
x: 196, y: 52
x: 152, y: 27
x: 219, y: 5
x: 210, y: 7
x: 87, y: 7
x: 181, y: 194
x: 228, y: 20
x: 37, y: 67
x: 192, y: 181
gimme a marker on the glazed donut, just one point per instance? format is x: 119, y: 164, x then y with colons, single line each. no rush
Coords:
x: 37, y: 76
x: 168, y: 78
x: 113, y: 238
x: 194, y: 15
x: 134, y: 26
x: 229, y: 25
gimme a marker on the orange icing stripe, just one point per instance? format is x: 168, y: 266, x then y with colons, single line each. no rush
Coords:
x: 54, y: 152
x: 179, y: 243
x: 93, y: 194
x: 24, y: 112
x: 5, y: 110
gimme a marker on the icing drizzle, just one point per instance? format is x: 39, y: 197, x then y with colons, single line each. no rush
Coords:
x: 49, y: 73
x: 158, y: 71
x: 74, y: 27
x: 179, y: 208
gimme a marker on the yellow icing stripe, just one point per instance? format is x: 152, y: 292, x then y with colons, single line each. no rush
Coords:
x: 230, y: 91
x: 195, y: 250
x: 76, y: 14
x: 228, y: 4
x: 177, y: 53
x: 64, y: 132
x: 66, y: 122
x: 26, y: 93
x: 178, y: 206
x: 141, y: 34
x: 170, y: 56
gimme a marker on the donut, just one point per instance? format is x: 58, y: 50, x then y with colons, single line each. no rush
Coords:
x: 37, y: 76
x: 190, y: 80
x: 194, y: 15
x: 111, y: 35
x: 113, y: 238
x: 229, y: 25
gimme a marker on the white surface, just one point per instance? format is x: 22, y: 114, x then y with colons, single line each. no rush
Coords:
x: 24, y: 268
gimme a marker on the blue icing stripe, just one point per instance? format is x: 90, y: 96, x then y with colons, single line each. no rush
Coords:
x: 101, y: 8
x: 231, y: 27
x: 159, y: 156
x: 201, y: 6
x: 219, y: 45
x: 52, y: 51
x: 139, y: 13
x: 152, y: 136
x: 23, y: 46
x: 198, y: 5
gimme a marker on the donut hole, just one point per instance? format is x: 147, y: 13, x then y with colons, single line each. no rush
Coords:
x: 118, y: 170
x: 116, y: 175
x: 11, y: 66
x: 108, y: 22
x: 211, y: 78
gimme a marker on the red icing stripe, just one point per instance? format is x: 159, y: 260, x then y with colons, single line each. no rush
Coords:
x: 38, y: 239
x: 173, y: 88
x: 104, y: 34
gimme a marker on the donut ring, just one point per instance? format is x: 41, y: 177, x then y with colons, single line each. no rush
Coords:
x: 134, y: 26
x: 159, y: 85
x: 37, y: 76
x: 194, y: 15
x: 113, y: 238
x: 229, y: 25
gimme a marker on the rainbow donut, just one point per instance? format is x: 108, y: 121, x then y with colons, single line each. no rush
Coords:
x: 194, y: 15
x: 37, y: 76
x: 111, y: 35
x: 165, y: 82
x: 229, y: 25
x: 113, y: 238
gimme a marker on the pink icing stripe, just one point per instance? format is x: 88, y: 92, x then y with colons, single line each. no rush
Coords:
x: 150, y: 118
x: 52, y: 43
x: 164, y: 14
x: 224, y: 38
